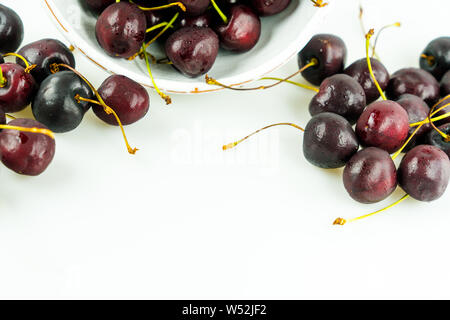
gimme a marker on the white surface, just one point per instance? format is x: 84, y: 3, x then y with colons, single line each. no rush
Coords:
x: 182, y: 219
x: 282, y: 36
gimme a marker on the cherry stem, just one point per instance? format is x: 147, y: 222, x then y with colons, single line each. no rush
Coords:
x: 179, y: 4
x: 301, y: 85
x: 446, y: 115
x: 234, y: 144
x: 3, y: 80
x: 221, y: 14
x: 157, y: 26
x: 55, y: 68
x: 47, y: 132
x: 369, y: 64
x: 165, y: 97
x: 28, y: 67
x: 430, y: 59
x: 342, y: 221
x: 168, y: 25
x: 444, y: 135
x: 213, y: 81
x: 396, y: 24
x: 319, y: 3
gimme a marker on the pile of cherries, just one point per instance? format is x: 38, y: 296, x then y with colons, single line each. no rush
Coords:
x: 415, y: 119
x: 44, y: 76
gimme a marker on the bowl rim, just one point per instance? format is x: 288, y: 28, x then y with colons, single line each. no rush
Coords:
x: 170, y: 86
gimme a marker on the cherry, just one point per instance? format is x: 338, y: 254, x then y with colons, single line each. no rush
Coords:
x: 370, y: 175
x: 359, y: 71
x: 330, y: 53
x: 434, y: 138
x: 329, y: 141
x: 417, y: 111
x: 126, y: 97
x: 269, y: 7
x: 25, y: 152
x: 414, y: 81
x: 339, y: 94
x: 445, y: 84
x: 202, y: 21
x: 56, y: 105
x: 98, y: 6
x: 424, y: 173
x: 435, y: 58
x: 154, y: 18
x: 192, y: 50
x: 242, y: 30
x: 43, y: 53
x: 18, y: 88
x: 443, y: 111
x: 11, y: 30
x: 195, y: 7
x: 120, y: 29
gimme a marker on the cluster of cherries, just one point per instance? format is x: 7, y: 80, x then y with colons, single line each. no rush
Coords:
x: 44, y: 76
x: 191, y: 38
x: 413, y: 116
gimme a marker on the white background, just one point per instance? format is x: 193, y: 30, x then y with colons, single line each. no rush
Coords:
x: 182, y: 219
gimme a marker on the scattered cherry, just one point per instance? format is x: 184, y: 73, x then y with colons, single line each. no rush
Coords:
x: 269, y: 7
x: 435, y: 58
x: 434, y: 138
x: 11, y: 30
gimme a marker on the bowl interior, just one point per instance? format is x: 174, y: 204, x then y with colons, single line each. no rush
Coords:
x: 282, y: 36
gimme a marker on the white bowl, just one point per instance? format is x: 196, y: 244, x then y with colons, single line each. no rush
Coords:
x: 282, y: 36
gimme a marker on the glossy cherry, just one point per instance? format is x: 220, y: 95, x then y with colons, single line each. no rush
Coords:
x: 329, y: 51
x: 55, y: 104
x: 424, y: 173
x: 242, y: 31
x: 359, y: 71
x: 445, y: 84
x: 435, y: 58
x: 24, y: 152
x: 192, y: 50
x: 339, y: 94
x: 370, y: 176
x: 19, y: 89
x: 329, y: 141
x: 43, y: 53
x: 434, y: 138
x: 269, y: 7
x: 202, y: 21
x: 414, y: 81
x: 383, y: 124
x: 120, y: 29
x: 126, y: 97
x: 98, y: 6
x: 11, y: 30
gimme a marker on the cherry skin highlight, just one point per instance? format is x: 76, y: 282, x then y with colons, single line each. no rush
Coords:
x: 192, y: 50
x: 19, y: 90
x: 339, y: 94
x: 43, y: 53
x: 11, y: 30
x: 359, y: 71
x: 414, y: 81
x: 329, y: 51
x: 434, y: 138
x: 370, y: 176
x: 269, y: 7
x: 126, y: 97
x: 55, y: 104
x: 120, y: 29
x: 242, y: 31
x: 26, y: 153
x: 445, y: 84
x: 424, y: 173
x: 439, y: 52
x: 329, y: 141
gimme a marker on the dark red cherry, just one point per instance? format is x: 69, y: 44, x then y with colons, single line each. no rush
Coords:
x: 424, y: 173
x: 25, y: 152
x: 370, y: 175
x: 202, y: 21
x: 445, y: 84
x: 153, y: 18
x: 329, y: 51
x: 120, y: 29
x: 126, y: 97
x: 359, y: 71
x: 435, y: 139
x: 192, y: 50
x: 414, y: 81
x: 417, y: 111
x: 11, y: 30
x: 242, y: 31
x: 43, y: 53
x: 435, y: 57
x: 383, y: 124
x: 339, y: 94
x: 195, y: 7
x: 329, y: 141
x: 56, y: 105
x: 19, y: 89
x: 98, y: 6
x: 269, y: 7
